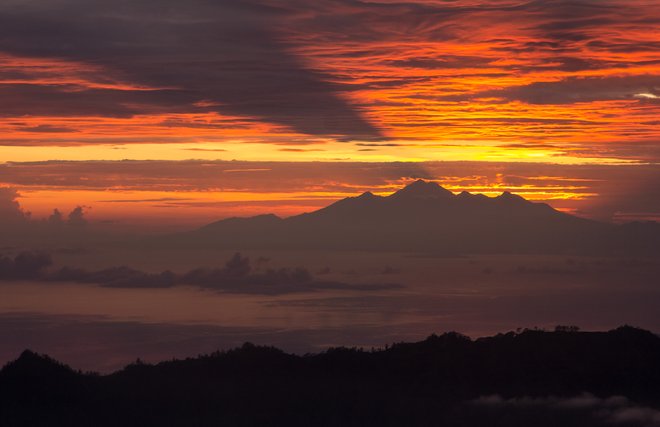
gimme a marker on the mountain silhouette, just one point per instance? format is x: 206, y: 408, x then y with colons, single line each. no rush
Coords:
x: 423, y: 216
x: 431, y: 382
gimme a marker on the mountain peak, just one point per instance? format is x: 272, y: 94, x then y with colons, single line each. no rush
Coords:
x: 423, y: 189
x: 366, y: 195
x: 30, y: 363
x: 510, y: 197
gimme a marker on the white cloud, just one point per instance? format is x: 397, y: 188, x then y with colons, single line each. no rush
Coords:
x: 614, y: 410
x: 646, y: 96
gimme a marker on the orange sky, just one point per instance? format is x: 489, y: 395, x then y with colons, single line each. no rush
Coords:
x: 191, y: 193
x: 554, y: 82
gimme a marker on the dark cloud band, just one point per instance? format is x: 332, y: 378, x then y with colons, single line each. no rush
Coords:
x: 222, y: 54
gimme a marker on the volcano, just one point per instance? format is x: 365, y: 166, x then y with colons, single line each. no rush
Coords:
x: 423, y: 216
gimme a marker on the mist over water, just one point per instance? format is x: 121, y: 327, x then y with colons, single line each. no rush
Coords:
x: 103, y: 328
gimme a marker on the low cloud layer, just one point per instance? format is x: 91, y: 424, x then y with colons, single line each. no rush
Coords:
x: 615, y: 410
x: 237, y: 276
x: 10, y: 209
x: 13, y: 218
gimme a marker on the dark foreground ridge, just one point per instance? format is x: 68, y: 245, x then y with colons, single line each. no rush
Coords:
x: 538, y: 378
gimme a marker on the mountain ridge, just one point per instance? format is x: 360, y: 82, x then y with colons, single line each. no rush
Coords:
x: 423, y: 216
x: 431, y: 382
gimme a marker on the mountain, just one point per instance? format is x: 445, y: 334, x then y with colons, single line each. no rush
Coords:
x: 563, y: 378
x: 423, y: 216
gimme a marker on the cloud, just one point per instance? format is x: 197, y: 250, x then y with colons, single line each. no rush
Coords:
x: 442, y: 62
x: 113, y: 277
x: 10, y: 209
x: 579, y: 89
x: 611, y: 410
x: 202, y: 55
x: 236, y: 276
x: 56, y: 218
x: 72, y: 101
x: 344, y: 69
x: 159, y: 200
x: 219, y: 176
x: 76, y: 217
x: 47, y: 129
x: 206, y: 149
x: 26, y: 265
x: 18, y: 224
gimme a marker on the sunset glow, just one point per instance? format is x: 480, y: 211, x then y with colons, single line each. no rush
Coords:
x: 566, y: 83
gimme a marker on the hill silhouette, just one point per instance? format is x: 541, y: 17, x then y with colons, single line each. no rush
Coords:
x: 443, y: 380
x: 423, y: 216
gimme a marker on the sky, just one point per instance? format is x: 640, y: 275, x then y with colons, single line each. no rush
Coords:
x: 169, y: 112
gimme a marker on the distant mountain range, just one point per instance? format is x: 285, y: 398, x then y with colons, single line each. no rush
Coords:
x: 533, y: 378
x: 423, y: 216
